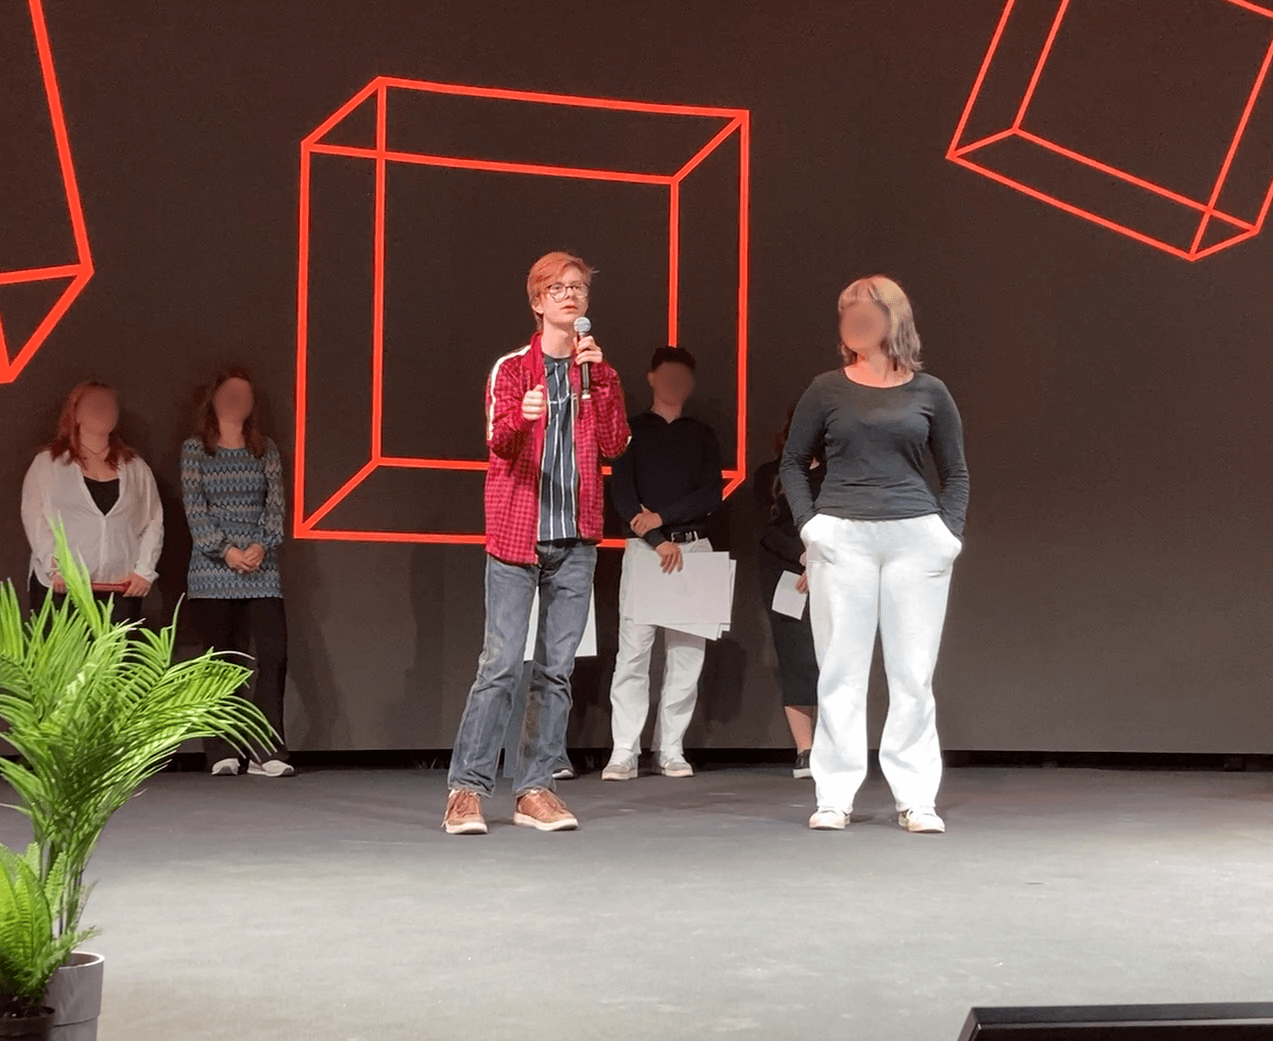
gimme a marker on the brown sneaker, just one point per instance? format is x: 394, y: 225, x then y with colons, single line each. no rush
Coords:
x: 464, y: 813
x: 540, y: 808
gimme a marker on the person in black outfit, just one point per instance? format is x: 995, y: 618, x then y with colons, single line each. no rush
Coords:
x: 793, y: 637
x: 666, y: 486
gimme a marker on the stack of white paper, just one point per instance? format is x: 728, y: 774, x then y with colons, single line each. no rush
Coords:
x: 695, y: 600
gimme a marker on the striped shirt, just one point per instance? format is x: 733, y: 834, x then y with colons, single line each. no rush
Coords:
x: 559, y: 479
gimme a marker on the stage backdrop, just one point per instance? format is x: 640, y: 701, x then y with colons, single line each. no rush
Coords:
x: 1072, y: 193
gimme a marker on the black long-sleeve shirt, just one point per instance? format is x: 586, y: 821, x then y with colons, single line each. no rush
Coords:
x: 875, y: 439
x: 672, y: 469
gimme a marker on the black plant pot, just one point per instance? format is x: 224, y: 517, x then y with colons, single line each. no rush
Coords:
x: 28, y: 1028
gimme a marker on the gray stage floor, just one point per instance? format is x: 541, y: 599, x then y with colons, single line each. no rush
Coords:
x: 330, y: 907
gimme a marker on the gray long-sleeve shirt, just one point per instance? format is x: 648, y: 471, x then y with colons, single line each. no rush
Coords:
x: 875, y: 440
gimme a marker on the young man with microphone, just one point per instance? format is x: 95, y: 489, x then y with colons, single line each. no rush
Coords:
x: 666, y: 486
x: 543, y: 523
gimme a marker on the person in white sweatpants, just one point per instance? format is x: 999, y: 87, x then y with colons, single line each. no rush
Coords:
x: 880, y: 548
x: 666, y: 486
x: 630, y: 690
x: 893, y: 575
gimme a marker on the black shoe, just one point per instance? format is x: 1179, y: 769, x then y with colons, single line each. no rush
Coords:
x: 801, y: 770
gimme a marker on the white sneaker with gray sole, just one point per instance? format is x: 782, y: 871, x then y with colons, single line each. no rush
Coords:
x: 271, y: 768
x: 922, y: 820
x: 828, y: 820
x: 673, y: 765
x: 621, y: 767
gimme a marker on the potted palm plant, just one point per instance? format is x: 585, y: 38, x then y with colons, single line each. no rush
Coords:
x: 30, y: 947
x: 94, y: 709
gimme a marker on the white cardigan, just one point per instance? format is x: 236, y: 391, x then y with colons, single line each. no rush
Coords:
x: 126, y: 540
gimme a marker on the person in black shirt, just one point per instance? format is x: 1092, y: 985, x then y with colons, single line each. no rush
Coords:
x: 793, y: 637
x: 665, y: 487
x: 880, y: 546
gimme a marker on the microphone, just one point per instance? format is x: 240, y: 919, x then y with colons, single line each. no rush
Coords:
x: 583, y: 326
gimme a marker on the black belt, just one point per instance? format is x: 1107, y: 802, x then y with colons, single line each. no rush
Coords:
x: 686, y: 536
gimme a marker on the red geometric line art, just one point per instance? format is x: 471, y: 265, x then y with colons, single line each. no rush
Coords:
x: 14, y: 356
x: 1190, y: 246
x: 736, y: 126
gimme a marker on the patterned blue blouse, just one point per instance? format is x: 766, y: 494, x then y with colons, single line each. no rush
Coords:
x: 232, y: 498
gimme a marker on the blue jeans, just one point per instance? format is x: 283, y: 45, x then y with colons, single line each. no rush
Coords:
x: 563, y: 577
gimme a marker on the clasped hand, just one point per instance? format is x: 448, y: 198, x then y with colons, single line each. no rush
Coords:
x: 245, y: 561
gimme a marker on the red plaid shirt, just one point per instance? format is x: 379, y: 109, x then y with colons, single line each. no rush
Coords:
x: 517, y: 450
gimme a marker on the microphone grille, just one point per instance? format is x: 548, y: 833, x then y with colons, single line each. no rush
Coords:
x: 583, y: 325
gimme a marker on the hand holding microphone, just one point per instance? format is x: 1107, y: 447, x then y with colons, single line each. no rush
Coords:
x: 586, y: 352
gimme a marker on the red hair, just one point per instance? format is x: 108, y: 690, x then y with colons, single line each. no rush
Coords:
x: 66, y: 441
x: 546, y: 270
x: 208, y: 427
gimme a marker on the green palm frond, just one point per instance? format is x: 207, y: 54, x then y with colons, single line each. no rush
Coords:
x: 94, y: 709
x: 30, y: 947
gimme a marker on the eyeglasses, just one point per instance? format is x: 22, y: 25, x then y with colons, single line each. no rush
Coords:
x: 560, y: 290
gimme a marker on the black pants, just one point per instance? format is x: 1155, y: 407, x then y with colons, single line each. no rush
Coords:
x: 793, y: 641
x: 258, y: 624
x: 125, y: 609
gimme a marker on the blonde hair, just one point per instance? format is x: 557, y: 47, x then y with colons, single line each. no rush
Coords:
x: 901, y: 341
x: 546, y: 270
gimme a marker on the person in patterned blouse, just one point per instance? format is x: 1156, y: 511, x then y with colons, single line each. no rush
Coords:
x: 232, y: 489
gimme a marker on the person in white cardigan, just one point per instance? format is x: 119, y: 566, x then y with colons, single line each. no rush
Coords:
x: 106, y: 498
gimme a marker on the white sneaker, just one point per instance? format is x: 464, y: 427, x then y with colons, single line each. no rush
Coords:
x: 621, y: 767
x: 922, y: 819
x: 225, y: 766
x: 565, y: 772
x: 824, y: 819
x: 271, y: 768
x: 672, y: 764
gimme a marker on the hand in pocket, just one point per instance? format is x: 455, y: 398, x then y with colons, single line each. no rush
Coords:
x: 806, y: 532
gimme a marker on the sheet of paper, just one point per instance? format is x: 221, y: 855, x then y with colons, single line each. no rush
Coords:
x: 711, y: 631
x: 587, y: 646
x: 695, y: 600
x: 788, y: 599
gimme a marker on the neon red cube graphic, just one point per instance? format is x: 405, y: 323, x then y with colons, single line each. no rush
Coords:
x: 1149, y: 119
x: 422, y: 205
x: 44, y: 256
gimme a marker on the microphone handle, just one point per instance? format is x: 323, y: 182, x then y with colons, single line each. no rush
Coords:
x: 585, y: 375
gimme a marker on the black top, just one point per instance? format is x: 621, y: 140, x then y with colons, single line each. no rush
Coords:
x: 781, y: 537
x: 875, y: 440
x: 672, y: 469
x: 105, y: 493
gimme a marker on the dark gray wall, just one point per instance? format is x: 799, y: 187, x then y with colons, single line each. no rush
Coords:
x: 1113, y: 593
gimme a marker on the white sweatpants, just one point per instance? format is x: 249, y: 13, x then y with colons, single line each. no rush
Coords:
x: 894, y: 575
x: 630, y: 688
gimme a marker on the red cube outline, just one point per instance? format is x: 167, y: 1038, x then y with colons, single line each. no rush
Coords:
x: 81, y: 269
x: 737, y: 121
x: 959, y: 153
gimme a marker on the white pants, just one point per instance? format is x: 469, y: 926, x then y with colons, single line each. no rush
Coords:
x: 894, y: 575
x: 630, y: 689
